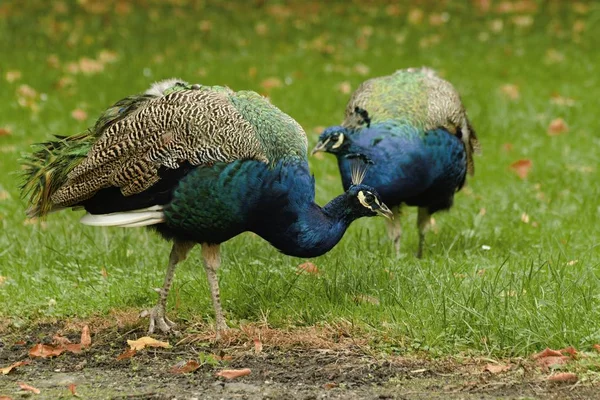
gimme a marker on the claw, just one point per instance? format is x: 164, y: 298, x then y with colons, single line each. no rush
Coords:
x: 158, y: 319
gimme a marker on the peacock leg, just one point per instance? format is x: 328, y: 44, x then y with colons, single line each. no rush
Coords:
x: 212, y: 261
x: 157, y: 314
x: 395, y: 228
x: 423, y: 219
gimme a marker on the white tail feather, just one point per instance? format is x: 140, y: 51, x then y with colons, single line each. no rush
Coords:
x: 128, y: 219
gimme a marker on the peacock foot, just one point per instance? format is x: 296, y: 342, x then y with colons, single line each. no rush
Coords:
x: 158, y: 319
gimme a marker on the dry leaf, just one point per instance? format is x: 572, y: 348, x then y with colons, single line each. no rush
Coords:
x: 271, y: 83
x: 12, y: 76
x: 73, y: 347
x: 126, y: 354
x: 547, y: 352
x: 525, y: 218
x: 3, y: 279
x: 563, y: 377
x: 5, y: 131
x: 361, y: 69
x: 308, y: 268
x: 60, y: 340
x: 185, y: 367
x: 73, y: 389
x: 522, y: 167
x: 146, y: 341
x: 596, y: 347
x: 45, y: 350
x: 257, y: 345
x: 86, y: 339
x: 344, y: 87
x: 233, y: 373
x: 329, y: 385
x: 557, y: 126
x: 497, y: 368
x: 511, y: 91
x: 5, y: 398
x: 28, y: 388
x: 570, y: 351
x: 7, y: 370
x: 79, y: 114
x: 415, y: 16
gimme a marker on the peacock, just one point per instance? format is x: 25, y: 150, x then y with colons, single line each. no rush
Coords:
x: 413, y: 127
x: 200, y: 165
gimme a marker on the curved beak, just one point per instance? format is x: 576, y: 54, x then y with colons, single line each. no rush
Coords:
x: 320, y: 146
x: 384, y: 211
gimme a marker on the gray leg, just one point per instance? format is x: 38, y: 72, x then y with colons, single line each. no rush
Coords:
x: 395, y: 228
x: 423, y: 219
x: 157, y: 314
x: 212, y: 261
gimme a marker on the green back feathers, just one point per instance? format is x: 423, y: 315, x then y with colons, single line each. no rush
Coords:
x: 280, y: 135
x: 170, y: 124
x: 416, y: 96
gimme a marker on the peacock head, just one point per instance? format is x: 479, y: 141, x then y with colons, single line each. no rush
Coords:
x: 366, y: 202
x: 333, y: 140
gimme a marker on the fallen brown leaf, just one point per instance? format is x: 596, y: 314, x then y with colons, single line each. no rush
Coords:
x: 497, y: 368
x: 60, y: 340
x: 5, y: 398
x: 329, y: 385
x: 257, y: 345
x: 45, y: 350
x: 308, y: 268
x: 146, y: 341
x: 5, y: 131
x: 126, y: 354
x: 522, y: 167
x: 28, y: 388
x: 6, y: 370
x: 233, y: 373
x: 563, y: 377
x: 271, y: 83
x: 184, y: 368
x: 511, y: 91
x: 79, y: 114
x: 570, y: 351
x: 557, y: 126
x: 86, y: 339
x: 596, y: 347
x: 547, y: 352
x: 73, y: 389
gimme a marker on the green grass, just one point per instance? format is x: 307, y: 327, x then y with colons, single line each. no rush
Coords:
x: 537, y: 286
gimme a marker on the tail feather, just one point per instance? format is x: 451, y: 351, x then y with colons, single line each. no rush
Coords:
x: 129, y: 219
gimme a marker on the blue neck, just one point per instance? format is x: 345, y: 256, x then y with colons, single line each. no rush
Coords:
x: 292, y: 222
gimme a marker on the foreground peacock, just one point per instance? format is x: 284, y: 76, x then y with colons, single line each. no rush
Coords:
x: 201, y: 165
x: 413, y: 127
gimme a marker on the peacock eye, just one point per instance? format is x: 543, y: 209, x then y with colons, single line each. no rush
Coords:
x: 369, y: 198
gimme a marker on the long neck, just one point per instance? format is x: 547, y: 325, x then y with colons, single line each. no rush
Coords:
x: 311, y: 230
x: 291, y: 221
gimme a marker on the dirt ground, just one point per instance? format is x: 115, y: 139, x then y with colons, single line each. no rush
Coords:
x: 308, y: 363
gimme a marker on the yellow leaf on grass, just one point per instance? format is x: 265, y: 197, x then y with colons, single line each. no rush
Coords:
x: 146, y: 341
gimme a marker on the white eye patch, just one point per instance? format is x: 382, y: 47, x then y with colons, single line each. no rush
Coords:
x: 339, y: 141
x: 362, y: 198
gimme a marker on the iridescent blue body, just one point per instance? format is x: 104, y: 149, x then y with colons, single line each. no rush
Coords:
x: 214, y: 204
x: 417, y: 167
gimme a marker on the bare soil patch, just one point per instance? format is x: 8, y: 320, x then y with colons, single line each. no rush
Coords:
x: 304, y: 363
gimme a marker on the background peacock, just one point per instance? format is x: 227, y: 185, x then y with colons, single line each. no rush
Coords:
x: 200, y: 165
x: 414, y: 128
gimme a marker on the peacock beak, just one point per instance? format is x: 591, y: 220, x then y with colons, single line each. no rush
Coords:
x: 320, y: 146
x: 384, y: 211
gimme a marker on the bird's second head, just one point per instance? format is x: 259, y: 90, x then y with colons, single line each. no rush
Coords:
x: 334, y: 139
x: 364, y: 201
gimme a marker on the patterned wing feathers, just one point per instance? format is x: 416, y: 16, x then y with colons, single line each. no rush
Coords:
x: 200, y: 126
